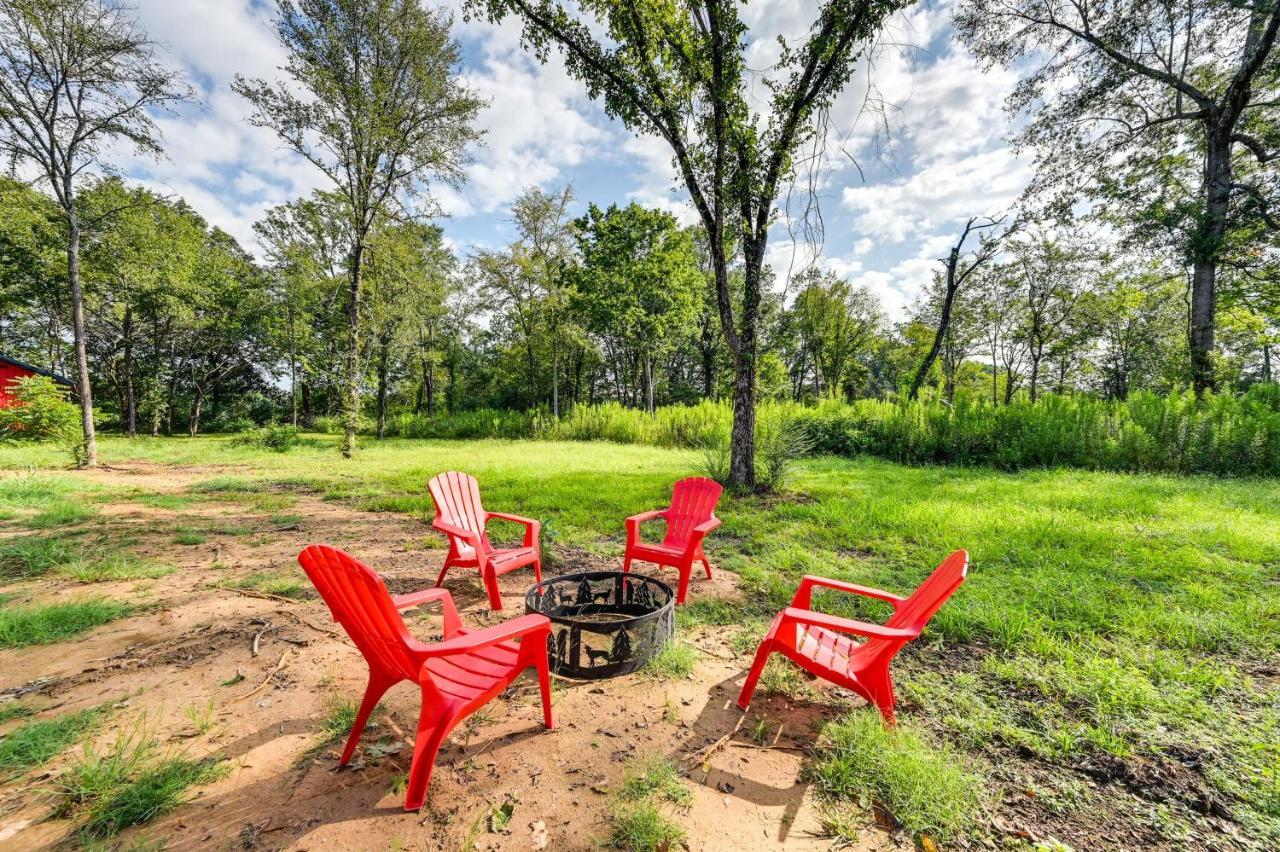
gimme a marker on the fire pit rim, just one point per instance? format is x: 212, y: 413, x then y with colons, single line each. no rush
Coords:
x: 568, y: 629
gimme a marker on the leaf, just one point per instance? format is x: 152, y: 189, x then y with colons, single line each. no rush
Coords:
x: 233, y: 680
x: 500, y: 817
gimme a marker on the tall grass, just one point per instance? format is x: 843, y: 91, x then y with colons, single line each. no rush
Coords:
x: 1223, y: 435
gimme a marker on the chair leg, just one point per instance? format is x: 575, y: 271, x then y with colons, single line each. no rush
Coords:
x: 686, y: 571
x: 544, y: 684
x: 491, y: 586
x: 432, y: 731
x: 443, y: 571
x: 880, y: 685
x: 626, y: 565
x: 537, y: 570
x: 753, y: 676
x: 707, y: 565
x: 373, y: 693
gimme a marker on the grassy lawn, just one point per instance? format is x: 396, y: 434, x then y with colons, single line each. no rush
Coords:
x: 1122, y: 629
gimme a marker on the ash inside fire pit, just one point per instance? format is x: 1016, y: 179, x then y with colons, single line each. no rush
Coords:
x: 603, y: 623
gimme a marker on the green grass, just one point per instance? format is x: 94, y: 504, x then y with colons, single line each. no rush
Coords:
x: 283, y: 585
x: 40, y: 624
x: 676, y: 661
x: 188, y: 538
x: 60, y: 514
x: 32, y: 556
x: 637, y: 819
x: 1105, y: 613
x: 114, y: 566
x: 129, y: 783
x: 13, y: 710
x: 37, y: 742
x: 925, y: 788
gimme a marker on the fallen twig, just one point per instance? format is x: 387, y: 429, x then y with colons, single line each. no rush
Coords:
x: 307, y: 623
x: 257, y: 637
x: 284, y: 661
x: 263, y: 595
x: 705, y: 754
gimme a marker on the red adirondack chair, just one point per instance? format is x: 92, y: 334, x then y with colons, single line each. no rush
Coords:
x: 818, y: 644
x: 461, y: 517
x: 457, y: 676
x: 691, y: 515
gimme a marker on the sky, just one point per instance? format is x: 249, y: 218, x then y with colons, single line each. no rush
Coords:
x: 897, y: 184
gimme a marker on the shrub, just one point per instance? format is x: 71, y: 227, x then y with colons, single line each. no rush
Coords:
x: 281, y: 439
x: 42, y: 413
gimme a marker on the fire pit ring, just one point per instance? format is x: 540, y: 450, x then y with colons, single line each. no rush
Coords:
x: 603, y: 623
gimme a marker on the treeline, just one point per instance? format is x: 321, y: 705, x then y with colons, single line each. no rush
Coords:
x: 188, y: 332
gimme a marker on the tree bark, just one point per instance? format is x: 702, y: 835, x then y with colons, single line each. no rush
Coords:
x: 130, y: 401
x: 351, y: 416
x: 944, y: 324
x: 193, y: 425
x: 89, y: 445
x: 742, y: 456
x: 1208, y: 245
x: 648, y: 381
x: 293, y: 371
x: 384, y: 350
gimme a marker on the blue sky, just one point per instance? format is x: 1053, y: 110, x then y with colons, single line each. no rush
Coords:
x: 933, y: 156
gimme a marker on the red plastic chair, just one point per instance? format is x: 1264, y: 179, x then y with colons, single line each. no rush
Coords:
x: 457, y: 676
x: 461, y: 517
x: 818, y: 644
x: 691, y: 515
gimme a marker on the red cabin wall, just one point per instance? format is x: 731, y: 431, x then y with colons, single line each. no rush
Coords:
x: 9, y: 372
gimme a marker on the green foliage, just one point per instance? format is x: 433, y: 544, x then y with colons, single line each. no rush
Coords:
x: 40, y: 624
x: 114, y: 566
x: 924, y: 788
x: 675, y: 661
x: 636, y: 820
x: 39, y: 741
x: 129, y: 783
x: 278, y: 438
x: 41, y: 413
x: 1219, y: 434
x: 33, y: 556
x: 279, y: 584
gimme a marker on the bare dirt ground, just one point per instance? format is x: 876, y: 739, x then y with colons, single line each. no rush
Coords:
x: 196, y: 636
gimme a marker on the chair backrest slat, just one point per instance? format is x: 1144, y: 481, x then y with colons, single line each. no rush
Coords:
x: 457, y: 499
x: 693, y: 501
x: 916, y: 611
x: 360, y: 602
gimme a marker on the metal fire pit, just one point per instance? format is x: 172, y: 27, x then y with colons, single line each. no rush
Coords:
x: 603, y: 623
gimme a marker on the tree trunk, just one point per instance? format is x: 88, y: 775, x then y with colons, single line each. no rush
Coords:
x: 351, y: 415
x: 308, y: 414
x: 89, y: 445
x: 1208, y: 245
x: 555, y: 378
x: 742, y: 458
x: 648, y: 381
x: 384, y: 347
x: 944, y: 324
x: 1266, y: 362
x: 707, y: 347
x: 995, y: 377
x: 130, y: 401
x: 293, y: 371
x: 193, y: 426
x: 1035, y: 375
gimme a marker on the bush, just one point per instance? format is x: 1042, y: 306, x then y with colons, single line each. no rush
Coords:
x: 42, y: 413
x: 278, y: 438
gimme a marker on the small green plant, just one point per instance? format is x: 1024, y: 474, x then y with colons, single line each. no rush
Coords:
x: 39, y: 741
x: 39, y: 624
x: 675, y: 661
x: 189, y: 538
x: 279, y: 439
x: 13, y: 710
x: 779, y: 445
x: 281, y: 585
x: 201, y: 716
x: 130, y: 783
x: 783, y: 677
x: 636, y: 819
x: 339, y: 717
x: 924, y: 788
x: 716, y: 456
x: 41, y: 412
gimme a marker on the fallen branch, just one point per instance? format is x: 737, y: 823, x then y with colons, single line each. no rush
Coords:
x: 263, y: 595
x: 257, y: 637
x: 284, y: 661
x: 705, y: 754
x: 306, y: 623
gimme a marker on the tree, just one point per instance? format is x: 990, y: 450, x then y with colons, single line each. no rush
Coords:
x: 957, y: 267
x: 76, y: 76
x: 1112, y: 80
x: 678, y: 71
x: 638, y: 281
x: 836, y: 324
x: 543, y: 222
x: 384, y: 112
x: 1051, y: 276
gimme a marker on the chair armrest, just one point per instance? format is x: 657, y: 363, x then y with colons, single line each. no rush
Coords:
x: 804, y: 594
x: 525, y: 625
x: 698, y: 533
x: 466, y: 535
x: 532, y: 528
x: 634, y: 522
x: 452, y: 623
x: 846, y: 625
